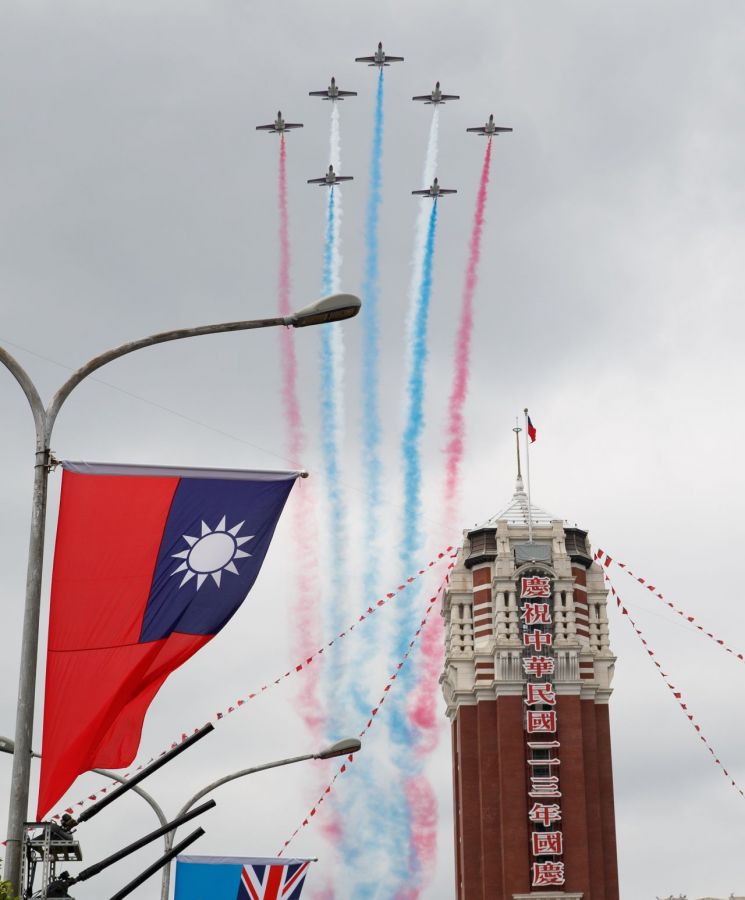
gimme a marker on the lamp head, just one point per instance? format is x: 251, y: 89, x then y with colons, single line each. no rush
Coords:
x: 340, y: 748
x: 334, y: 308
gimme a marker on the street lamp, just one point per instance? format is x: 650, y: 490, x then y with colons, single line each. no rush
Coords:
x: 340, y: 748
x: 326, y: 310
x: 345, y: 747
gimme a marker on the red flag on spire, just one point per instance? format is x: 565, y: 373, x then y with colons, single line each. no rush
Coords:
x: 531, y: 431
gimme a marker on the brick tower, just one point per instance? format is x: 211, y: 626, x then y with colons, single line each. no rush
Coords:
x: 527, y: 681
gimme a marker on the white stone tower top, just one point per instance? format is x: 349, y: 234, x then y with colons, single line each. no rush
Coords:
x: 481, y: 607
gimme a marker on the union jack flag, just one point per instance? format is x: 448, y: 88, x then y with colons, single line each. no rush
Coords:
x: 270, y: 880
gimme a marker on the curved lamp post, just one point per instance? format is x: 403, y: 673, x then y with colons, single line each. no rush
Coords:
x: 329, y: 309
x: 344, y: 747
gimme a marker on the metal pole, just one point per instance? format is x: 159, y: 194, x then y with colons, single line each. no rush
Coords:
x: 527, y: 472
x: 21, y: 773
x: 165, y: 885
x: 44, y: 420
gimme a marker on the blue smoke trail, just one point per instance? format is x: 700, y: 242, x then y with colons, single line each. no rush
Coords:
x: 402, y: 735
x: 414, y: 425
x: 370, y: 387
x: 330, y: 428
x: 367, y: 804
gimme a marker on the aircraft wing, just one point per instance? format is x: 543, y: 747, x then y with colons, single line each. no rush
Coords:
x: 318, y: 93
x: 426, y: 97
x: 345, y: 177
x: 265, y: 127
x: 317, y: 180
x: 447, y: 191
x: 393, y: 58
x: 347, y: 93
x: 367, y: 59
x: 501, y: 129
x: 450, y: 97
x: 293, y: 125
x: 478, y: 130
x: 423, y: 193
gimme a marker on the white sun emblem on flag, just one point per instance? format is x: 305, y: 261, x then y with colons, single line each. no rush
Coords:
x: 212, y: 553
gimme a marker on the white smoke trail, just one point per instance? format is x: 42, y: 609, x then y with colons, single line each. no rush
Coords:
x: 337, y: 337
x: 422, y: 224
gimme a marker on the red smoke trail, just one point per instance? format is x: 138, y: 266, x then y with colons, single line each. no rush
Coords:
x: 423, y: 810
x: 456, y: 424
x: 305, y: 618
x: 423, y: 710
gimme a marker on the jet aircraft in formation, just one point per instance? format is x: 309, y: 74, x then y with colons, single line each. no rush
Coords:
x: 380, y: 58
x: 489, y: 128
x: 434, y: 191
x: 330, y: 178
x: 436, y: 96
x: 332, y: 92
x: 279, y: 126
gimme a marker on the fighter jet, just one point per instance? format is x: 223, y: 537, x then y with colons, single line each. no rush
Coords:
x: 332, y: 92
x: 330, y: 178
x: 279, y: 126
x: 434, y: 191
x: 437, y: 96
x: 380, y: 58
x: 489, y: 128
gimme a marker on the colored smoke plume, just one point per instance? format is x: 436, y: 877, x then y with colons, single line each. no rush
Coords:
x: 305, y: 633
x: 459, y: 392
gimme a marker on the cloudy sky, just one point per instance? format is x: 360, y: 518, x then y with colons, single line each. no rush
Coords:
x: 137, y: 197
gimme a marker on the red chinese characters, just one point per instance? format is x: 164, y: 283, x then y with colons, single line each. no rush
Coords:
x: 538, y: 665
x: 548, y: 873
x: 535, y: 586
x: 539, y: 722
x: 542, y: 692
x: 545, y: 814
x: 544, y: 786
x: 547, y: 843
x: 537, y: 614
x: 537, y: 639
x: 545, y: 811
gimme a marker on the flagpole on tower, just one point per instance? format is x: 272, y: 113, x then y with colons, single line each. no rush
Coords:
x: 527, y: 473
x: 517, y: 431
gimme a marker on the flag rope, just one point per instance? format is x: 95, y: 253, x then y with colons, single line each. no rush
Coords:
x: 680, y: 700
x: 447, y: 553
x: 375, y: 710
x: 681, y: 612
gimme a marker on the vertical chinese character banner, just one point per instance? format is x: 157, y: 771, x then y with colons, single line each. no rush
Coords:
x: 541, y: 727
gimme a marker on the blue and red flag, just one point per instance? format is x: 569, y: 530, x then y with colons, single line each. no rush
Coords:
x: 532, y: 433
x: 149, y: 564
x: 220, y: 877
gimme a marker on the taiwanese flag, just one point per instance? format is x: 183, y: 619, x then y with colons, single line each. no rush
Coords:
x: 532, y: 433
x: 149, y: 564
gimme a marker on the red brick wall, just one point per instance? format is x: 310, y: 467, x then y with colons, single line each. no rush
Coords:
x: 468, y: 822
x: 605, y: 770
x: 592, y: 792
x: 490, y: 798
x: 514, y: 799
x: 574, y: 798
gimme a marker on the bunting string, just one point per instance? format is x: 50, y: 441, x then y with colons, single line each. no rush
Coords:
x: 447, y: 553
x: 607, y: 560
x: 431, y: 602
x: 677, y: 694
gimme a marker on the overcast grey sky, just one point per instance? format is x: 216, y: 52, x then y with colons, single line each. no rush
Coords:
x: 136, y: 196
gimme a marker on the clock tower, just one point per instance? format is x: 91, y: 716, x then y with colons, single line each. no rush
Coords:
x: 527, y: 682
